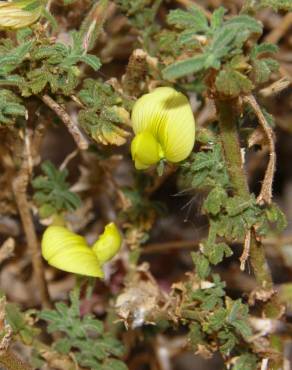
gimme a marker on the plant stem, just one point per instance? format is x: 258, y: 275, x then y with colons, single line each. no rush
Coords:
x: 230, y: 141
x: 19, y: 186
x: 11, y: 362
x: 19, y: 189
x: 72, y: 127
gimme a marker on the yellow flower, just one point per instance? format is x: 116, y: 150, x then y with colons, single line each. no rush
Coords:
x: 164, y: 126
x: 70, y: 252
x: 19, y: 13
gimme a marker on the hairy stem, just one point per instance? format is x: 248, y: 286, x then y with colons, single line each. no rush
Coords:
x: 10, y: 362
x: 232, y: 153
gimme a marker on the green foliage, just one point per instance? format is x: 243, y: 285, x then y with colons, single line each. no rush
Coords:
x: 102, y: 115
x: 92, y: 346
x: 12, y: 57
x: 10, y: 107
x: 277, y: 4
x: 225, y: 39
x: 231, y: 80
x: 247, y: 361
x: 274, y: 4
x: 141, y: 15
x: 202, y: 265
x: 213, y: 318
x: 52, y: 191
x: 47, y: 64
x: 205, y: 169
x: 58, y: 66
x: 220, y: 48
x: 263, y: 66
x: 18, y: 322
x: 226, y: 62
x: 230, y: 216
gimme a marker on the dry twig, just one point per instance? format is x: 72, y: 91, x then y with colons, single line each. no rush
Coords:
x: 246, y: 249
x: 19, y: 187
x: 265, y: 195
x: 276, y: 87
x: 7, y: 249
x: 278, y: 32
x: 68, y: 158
x: 74, y: 130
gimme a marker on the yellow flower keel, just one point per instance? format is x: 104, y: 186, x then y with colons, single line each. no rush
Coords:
x: 146, y: 150
x: 108, y: 244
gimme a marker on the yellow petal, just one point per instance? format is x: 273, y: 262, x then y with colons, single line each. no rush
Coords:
x: 168, y: 116
x: 69, y: 252
x: 145, y: 150
x: 108, y: 244
x: 19, y: 14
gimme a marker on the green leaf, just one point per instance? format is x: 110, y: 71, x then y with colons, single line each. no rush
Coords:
x: 276, y: 5
x: 113, y: 364
x: 233, y: 83
x: 238, y: 318
x: 194, y: 19
x: 202, y: 265
x: 215, y: 199
x: 229, y: 341
x: 263, y: 68
x: 237, y: 205
x: 210, y: 302
x: 92, y: 60
x: 196, y: 335
x: 12, y: 59
x: 103, y: 115
x: 217, y: 18
x: 205, y: 169
x: 245, y: 22
x: 187, y: 38
x: 276, y: 215
x: 63, y: 345
x: 263, y: 48
x: 217, y: 320
x: 185, y: 67
x: 10, y: 107
x: 217, y: 251
x: 84, y: 336
x: 50, y: 18
x: 246, y: 361
x: 23, y: 34
x: 16, y: 320
x: 243, y: 328
x: 53, y: 194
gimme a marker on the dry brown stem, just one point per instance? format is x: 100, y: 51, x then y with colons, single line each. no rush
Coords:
x: 246, y: 249
x: 265, y: 195
x: 74, y: 130
x: 19, y: 187
x: 7, y: 249
x: 278, y: 32
x: 276, y: 87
